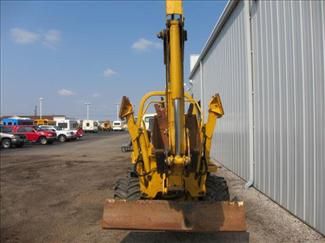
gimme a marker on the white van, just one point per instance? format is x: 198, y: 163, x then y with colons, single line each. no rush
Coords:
x: 67, y: 124
x: 90, y: 125
x: 117, y: 126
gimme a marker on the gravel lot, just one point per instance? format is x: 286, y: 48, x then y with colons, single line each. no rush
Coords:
x: 55, y: 193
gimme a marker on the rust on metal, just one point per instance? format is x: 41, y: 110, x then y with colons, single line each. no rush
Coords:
x: 160, y: 128
x: 163, y: 215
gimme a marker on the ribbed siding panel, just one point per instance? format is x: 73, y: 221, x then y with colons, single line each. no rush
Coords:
x: 196, y: 82
x: 288, y: 49
x: 319, y: 115
x: 289, y: 106
x: 288, y: 45
x: 225, y: 72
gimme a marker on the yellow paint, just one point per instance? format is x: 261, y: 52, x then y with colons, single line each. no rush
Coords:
x: 177, y: 177
x: 215, y: 111
x: 174, y: 7
x: 38, y: 122
x: 161, y: 183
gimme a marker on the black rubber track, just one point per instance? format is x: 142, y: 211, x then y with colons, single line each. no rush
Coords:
x: 127, y: 188
x: 217, y: 189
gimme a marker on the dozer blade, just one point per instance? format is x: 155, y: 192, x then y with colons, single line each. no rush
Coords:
x: 161, y: 215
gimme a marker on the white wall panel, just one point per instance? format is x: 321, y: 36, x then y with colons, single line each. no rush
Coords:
x: 196, y: 84
x: 287, y: 39
x: 225, y: 72
x: 288, y: 46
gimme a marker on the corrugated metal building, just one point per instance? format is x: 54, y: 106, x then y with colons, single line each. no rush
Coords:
x: 267, y: 61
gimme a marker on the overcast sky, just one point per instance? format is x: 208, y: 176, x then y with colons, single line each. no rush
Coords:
x: 74, y: 52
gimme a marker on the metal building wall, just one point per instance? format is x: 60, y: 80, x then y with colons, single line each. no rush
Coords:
x: 288, y: 43
x: 288, y: 59
x: 196, y: 84
x: 225, y: 71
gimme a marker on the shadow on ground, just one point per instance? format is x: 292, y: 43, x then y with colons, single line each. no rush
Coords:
x: 242, y: 237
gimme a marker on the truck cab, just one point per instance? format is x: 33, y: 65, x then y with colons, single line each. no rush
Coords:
x: 35, y: 135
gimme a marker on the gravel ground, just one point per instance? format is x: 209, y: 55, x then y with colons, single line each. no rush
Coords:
x: 55, y: 193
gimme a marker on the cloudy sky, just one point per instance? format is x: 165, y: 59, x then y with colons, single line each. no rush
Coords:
x: 72, y: 53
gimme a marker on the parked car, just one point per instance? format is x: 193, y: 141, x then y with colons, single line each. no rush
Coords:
x: 61, y: 135
x: 8, y: 139
x: 117, y: 126
x: 34, y: 135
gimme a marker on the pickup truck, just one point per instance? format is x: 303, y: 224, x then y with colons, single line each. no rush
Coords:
x: 8, y: 139
x: 35, y: 135
x: 61, y: 135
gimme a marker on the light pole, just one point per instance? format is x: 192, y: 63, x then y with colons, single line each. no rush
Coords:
x: 87, y: 105
x: 117, y: 111
x: 40, y: 107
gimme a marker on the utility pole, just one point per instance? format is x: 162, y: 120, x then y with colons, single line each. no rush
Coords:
x: 117, y: 111
x: 87, y: 105
x: 40, y: 107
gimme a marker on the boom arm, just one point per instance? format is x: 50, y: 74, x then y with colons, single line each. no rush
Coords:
x: 174, y: 36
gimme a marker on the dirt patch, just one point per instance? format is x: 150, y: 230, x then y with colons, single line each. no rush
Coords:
x: 56, y: 194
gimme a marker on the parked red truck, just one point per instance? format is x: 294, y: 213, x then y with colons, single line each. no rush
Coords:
x: 34, y: 135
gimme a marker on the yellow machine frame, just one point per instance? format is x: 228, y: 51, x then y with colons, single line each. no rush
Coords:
x: 178, y: 156
x: 154, y: 183
x: 172, y: 161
